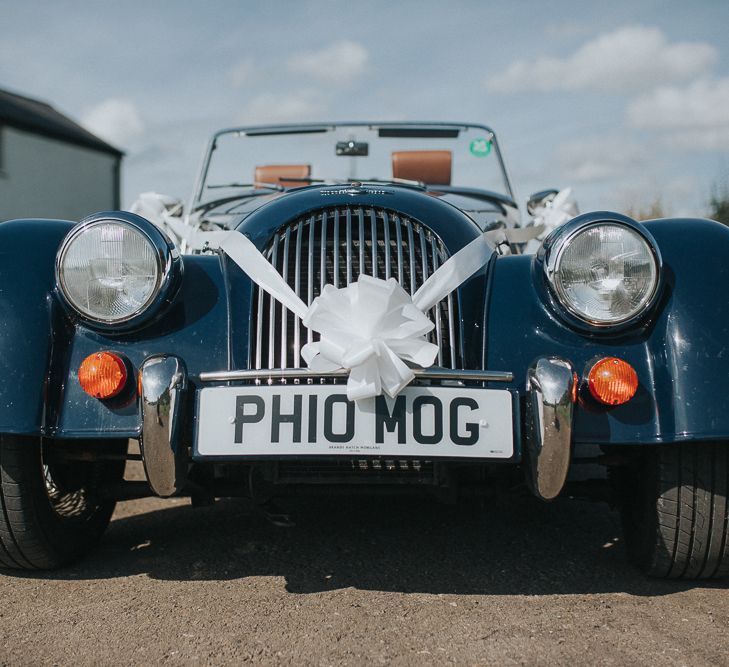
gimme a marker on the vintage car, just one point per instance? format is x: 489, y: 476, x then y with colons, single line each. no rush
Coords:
x: 348, y: 307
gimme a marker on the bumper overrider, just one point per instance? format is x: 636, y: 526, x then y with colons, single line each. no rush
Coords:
x: 163, y: 391
x: 165, y: 397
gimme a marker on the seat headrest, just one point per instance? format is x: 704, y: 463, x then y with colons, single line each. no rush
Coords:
x: 279, y: 173
x: 429, y: 167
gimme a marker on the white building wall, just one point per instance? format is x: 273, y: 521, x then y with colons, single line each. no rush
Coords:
x: 47, y: 178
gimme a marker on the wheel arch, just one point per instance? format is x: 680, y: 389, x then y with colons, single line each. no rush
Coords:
x: 32, y: 321
x: 680, y: 352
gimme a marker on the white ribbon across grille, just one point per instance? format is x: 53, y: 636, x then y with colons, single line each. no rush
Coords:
x: 371, y: 327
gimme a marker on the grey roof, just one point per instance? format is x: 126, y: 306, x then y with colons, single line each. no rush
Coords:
x: 32, y: 115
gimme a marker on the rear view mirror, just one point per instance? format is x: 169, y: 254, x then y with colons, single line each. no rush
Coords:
x: 353, y: 148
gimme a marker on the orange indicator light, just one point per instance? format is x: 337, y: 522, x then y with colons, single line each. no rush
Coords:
x: 102, y: 375
x: 612, y: 381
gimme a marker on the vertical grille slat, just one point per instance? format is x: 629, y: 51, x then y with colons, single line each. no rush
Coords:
x: 285, y: 311
x: 309, y: 253
x: 297, y: 289
x: 435, y: 313
x: 260, y: 295
x: 423, y: 253
x: 336, y: 248
x: 375, y: 241
x: 272, y: 307
x: 398, y: 240
x: 361, y: 239
x: 411, y: 251
x: 323, y: 252
x: 451, y: 331
x: 310, y: 277
x: 388, y: 250
x: 348, y: 249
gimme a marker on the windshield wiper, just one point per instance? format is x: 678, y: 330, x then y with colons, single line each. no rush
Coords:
x: 398, y: 181
x: 303, y: 179
x: 257, y: 184
x: 206, y: 206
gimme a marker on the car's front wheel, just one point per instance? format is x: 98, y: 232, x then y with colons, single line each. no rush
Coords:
x: 52, y: 510
x: 675, y: 512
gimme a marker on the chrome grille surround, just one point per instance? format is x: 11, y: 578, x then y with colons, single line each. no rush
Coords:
x: 334, y: 246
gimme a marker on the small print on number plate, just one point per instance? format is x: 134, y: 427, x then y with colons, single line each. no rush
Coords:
x: 319, y: 420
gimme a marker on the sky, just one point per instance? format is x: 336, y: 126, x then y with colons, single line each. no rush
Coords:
x: 625, y: 102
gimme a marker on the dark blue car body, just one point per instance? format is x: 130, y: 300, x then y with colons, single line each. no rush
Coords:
x: 204, y: 332
x: 680, y: 350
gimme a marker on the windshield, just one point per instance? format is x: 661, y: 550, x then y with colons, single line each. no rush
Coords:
x: 459, y: 156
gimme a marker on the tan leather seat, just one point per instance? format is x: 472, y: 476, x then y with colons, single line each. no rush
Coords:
x: 429, y: 167
x: 279, y: 173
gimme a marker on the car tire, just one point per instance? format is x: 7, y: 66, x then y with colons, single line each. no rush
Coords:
x: 51, y: 511
x: 674, y: 510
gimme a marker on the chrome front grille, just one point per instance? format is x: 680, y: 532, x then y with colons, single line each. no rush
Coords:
x: 334, y: 246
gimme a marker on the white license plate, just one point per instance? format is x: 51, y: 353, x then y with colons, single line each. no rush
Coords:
x: 304, y: 420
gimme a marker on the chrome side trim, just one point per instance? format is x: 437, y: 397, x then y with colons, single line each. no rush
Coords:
x: 165, y: 457
x: 550, y: 408
x: 305, y: 373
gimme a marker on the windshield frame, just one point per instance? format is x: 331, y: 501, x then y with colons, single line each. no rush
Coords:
x: 313, y: 128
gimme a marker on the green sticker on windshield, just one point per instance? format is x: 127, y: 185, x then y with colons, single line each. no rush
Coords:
x: 480, y: 147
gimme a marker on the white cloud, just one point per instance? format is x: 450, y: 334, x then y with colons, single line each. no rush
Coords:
x: 624, y: 60
x: 337, y: 64
x: 567, y: 29
x: 696, y: 115
x: 241, y: 73
x: 704, y: 103
x: 115, y: 120
x: 284, y: 107
x: 700, y: 140
x: 598, y: 159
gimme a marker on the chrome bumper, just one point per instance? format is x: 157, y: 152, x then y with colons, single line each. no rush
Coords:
x: 550, y: 406
x: 163, y: 386
x: 548, y: 434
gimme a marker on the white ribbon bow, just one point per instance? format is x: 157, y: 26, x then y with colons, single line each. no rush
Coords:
x: 372, y: 326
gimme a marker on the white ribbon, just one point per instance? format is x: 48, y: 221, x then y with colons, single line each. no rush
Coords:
x: 372, y: 326
x: 550, y: 215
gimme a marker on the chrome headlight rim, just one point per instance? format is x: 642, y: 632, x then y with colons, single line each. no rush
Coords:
x: 169, y: 271
x: 552, y: 251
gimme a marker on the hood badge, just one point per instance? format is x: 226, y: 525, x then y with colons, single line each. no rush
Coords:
x: 353, y: 189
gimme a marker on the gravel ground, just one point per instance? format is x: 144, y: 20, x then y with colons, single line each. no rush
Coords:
x: 360, y: 581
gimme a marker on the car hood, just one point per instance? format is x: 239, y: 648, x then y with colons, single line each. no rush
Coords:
x: 487, y: 210
x: 448, y: 222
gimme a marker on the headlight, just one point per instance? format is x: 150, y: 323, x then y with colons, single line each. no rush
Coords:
x: 604, y: 273
x: 111, y: 268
